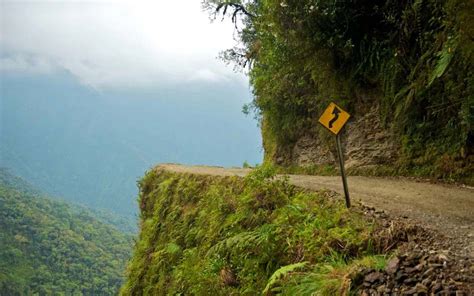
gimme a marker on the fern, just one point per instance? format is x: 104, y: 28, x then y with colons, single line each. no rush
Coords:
x: 445, y: 57
x: 281, y: 273
x: 244, y: 241
x: 240, y: 241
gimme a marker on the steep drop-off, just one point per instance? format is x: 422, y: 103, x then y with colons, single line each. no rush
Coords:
x: 228, y: 235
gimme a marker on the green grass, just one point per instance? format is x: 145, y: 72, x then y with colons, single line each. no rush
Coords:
x: 202, y: 235
x: 333, y: 277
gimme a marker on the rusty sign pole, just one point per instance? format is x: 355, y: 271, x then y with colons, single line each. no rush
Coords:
x: 343, y: 171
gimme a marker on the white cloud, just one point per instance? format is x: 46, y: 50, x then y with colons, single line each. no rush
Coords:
x: 30, y: 65
x: 205, y: 74
x: 114, y: 44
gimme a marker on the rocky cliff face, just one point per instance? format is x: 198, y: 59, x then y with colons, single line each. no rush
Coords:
x: 367, y: 142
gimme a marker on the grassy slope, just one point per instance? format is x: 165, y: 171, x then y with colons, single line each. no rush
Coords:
x: 229, y: 236
x: 51, y: 248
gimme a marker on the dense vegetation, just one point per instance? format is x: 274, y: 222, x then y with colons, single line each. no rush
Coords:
x: 203, y: 235
x: 51, y: 248
x: 412, y: 58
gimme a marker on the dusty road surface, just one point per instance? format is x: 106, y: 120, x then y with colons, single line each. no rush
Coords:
x: 448, y: 209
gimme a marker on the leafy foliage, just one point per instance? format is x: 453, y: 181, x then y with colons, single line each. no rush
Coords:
x: 414, y: 58
x: 51, y: 248
x: 281, y: 273
x: 203, y: 235
x: 333, y: 278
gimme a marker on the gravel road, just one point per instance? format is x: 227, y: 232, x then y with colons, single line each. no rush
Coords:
x: 448, y: 209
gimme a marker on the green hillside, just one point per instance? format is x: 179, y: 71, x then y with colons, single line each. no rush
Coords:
x: 52, y: 248
x: 208, y: 235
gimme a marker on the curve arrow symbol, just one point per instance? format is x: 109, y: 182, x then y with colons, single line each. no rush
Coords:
x: 336, y: 112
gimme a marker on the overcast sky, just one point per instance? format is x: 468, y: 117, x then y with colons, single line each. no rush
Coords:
x: 115, y: 44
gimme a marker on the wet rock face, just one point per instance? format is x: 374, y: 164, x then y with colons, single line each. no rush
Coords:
x: 419, y: 272
x: 366, y: 143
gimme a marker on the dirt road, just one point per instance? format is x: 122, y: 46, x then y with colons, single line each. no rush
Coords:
x: 448, y: 209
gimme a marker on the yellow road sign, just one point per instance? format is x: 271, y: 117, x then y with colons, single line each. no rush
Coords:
x: 334, y: 118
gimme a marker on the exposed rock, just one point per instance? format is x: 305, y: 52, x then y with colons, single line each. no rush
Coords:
x: 381, y: 289
x: 425, y: 264
x: 410, y: 291
x: 421, y: 289
x: 436, y: 288
x: 392, y: 265
x: 309, y: 150
x: 442, y: 257
x: 401, y: 276
x: 367, y: 143
x: 373, y: 277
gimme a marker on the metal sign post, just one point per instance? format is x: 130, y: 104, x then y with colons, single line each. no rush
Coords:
x: 334, y: 118
x: 340, y: 155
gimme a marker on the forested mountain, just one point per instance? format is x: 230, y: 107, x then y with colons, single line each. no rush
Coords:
x: 52, y: 248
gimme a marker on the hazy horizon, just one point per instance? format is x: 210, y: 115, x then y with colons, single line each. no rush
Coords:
x: 94, y: 94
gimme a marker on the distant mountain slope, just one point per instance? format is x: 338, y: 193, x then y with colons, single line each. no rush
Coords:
x: 7, y: 179
x: 52, y: 248
x: 123, y: 223
x: 91, y: 147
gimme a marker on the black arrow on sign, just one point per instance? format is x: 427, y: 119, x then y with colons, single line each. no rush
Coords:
x: 336, y: 112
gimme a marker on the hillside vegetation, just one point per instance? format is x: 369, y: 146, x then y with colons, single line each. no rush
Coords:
x: 51, y: 248
x: 413, y: 58
x: 209, y: 235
